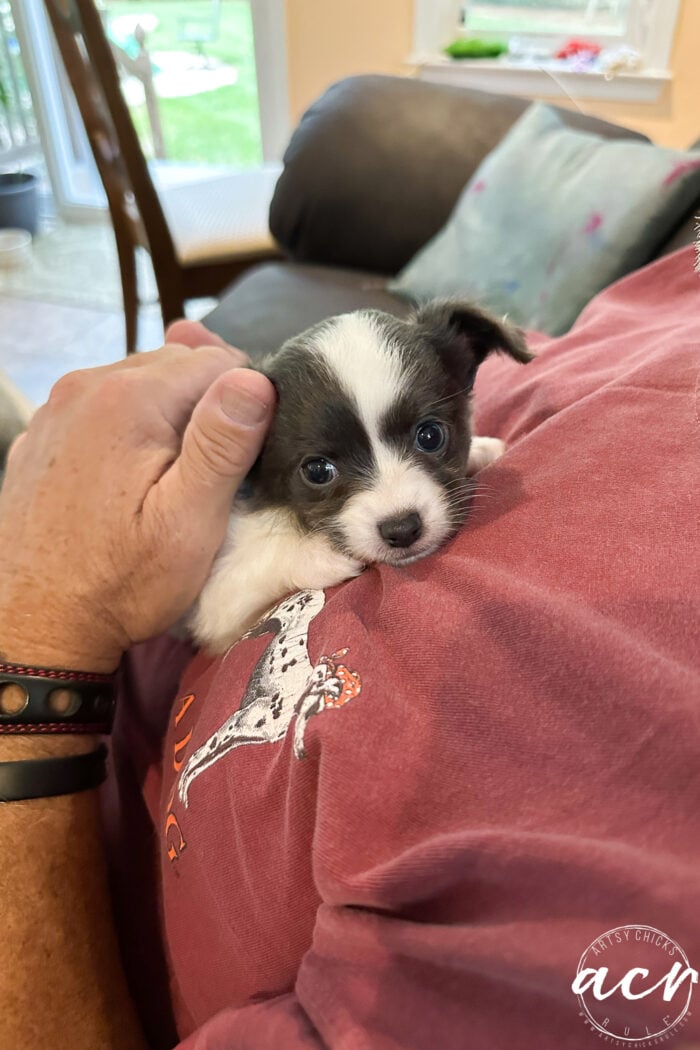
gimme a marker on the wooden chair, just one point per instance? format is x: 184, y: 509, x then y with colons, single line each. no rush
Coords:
x: 200, y: 236
x: 141, y: 67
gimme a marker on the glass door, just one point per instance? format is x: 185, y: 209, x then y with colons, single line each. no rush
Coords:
x: 203, y: 80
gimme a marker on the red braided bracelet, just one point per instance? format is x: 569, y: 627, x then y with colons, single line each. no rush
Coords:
x: 52, y: 672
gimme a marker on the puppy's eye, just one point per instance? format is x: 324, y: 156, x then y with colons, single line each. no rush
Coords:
x: 430, y: 436
x: 318, y: 471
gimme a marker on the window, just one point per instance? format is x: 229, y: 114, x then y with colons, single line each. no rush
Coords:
x: 19, y: 142
x: 635, y: 37
x: 608, y: 18
x: 644, y: 25
x: 218, y: 105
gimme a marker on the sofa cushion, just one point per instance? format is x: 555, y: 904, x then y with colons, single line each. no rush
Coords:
x: 552, y: 216
x: 275, y: 301
x: 377, y: 163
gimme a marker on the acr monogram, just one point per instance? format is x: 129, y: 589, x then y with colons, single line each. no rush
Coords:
x: 664, y: 979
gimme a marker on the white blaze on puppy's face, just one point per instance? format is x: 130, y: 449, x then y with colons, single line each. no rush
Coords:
x: 365, y: 364
x: 374, y: 375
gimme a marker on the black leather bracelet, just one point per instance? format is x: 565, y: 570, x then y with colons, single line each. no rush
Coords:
x: 46, y: 700
x: 48, y: 777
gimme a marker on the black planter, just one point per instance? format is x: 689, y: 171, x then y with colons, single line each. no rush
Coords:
x: 19, y: 202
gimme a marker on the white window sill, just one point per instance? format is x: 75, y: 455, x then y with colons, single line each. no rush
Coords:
x: 517, y: 78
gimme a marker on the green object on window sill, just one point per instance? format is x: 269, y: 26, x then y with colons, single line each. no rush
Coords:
x: 473, y: 48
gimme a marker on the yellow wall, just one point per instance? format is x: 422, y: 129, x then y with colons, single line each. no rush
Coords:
x: 330, y: 39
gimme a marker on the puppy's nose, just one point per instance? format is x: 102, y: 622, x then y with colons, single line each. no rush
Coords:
x: 403, y: 531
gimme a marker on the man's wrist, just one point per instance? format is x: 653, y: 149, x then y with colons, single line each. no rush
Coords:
x: 43, y: 639
x: 17, y: 748
x: 62, y: 656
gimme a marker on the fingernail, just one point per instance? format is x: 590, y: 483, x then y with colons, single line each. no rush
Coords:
x: 242, y: 407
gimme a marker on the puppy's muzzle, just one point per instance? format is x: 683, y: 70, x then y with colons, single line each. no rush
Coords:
x: 401, y: 531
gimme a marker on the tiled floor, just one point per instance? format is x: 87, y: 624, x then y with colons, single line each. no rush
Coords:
x: 62, y: 310
x: 40, y: 341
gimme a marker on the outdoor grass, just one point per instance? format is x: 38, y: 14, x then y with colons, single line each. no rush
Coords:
x: 215, y: 127
x: 562, y: 16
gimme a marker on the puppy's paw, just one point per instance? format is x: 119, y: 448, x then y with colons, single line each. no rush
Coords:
x: 484, y: 450
x: 321, y: 566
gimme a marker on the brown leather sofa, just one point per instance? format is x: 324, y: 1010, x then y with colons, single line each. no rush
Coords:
x: 370, y: 175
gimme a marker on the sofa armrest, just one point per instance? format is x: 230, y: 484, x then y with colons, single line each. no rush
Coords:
x: 687, y: 230
x: 377, y: 164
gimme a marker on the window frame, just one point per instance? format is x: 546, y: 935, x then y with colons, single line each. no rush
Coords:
x: 653, y: 27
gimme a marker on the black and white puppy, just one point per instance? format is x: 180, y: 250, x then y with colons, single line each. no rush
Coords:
x: 367, y: 459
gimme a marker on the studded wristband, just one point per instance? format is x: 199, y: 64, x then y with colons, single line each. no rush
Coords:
x: 46, y: 700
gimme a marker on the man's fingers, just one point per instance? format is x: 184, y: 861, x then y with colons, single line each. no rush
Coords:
x: 191, y: 333
x: 178, y: 376
x: 14, y: 447
x: 194, y: 334
x: 220, y: 444
x: 174, y: 352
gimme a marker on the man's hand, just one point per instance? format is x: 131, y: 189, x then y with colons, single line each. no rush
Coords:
x: 116, y: 499
x: 114, y: 504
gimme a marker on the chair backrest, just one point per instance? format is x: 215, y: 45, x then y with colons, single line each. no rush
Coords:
x: 92, y: 71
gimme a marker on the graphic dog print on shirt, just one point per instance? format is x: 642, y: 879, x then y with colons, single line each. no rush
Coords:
x: 283, y: 684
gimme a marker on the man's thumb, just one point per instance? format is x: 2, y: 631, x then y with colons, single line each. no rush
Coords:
x: 224, y: 437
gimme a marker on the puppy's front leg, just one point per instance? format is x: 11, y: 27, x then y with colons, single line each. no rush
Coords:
x: 483, y: 450
x: 264, y: 557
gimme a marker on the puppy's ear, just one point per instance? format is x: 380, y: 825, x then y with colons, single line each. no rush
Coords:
x: 464, y: 335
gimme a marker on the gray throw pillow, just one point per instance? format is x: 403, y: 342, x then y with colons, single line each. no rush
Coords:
x: 550, y: 218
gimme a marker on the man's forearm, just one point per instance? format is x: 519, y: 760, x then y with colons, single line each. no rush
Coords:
x: 135, y: 445
x: 61, y: 981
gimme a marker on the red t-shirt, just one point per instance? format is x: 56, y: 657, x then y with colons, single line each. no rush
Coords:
x: 398, y: 813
